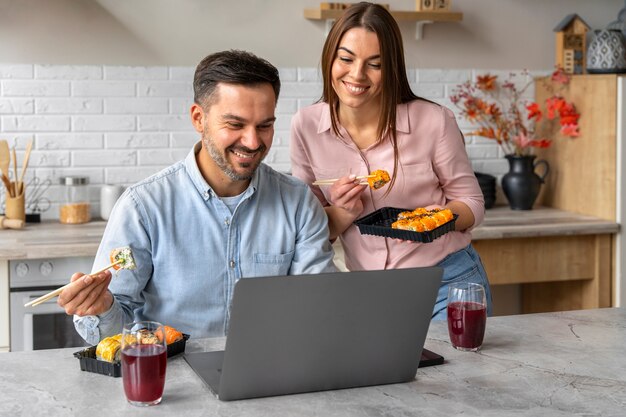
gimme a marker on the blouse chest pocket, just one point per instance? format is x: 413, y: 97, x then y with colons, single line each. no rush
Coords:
x: 272, y: 264
x: 418, y: 177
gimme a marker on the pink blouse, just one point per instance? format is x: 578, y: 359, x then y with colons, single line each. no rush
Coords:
x: 433, y: 170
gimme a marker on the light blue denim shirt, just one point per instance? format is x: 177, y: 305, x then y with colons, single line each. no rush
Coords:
x: 190, y: 249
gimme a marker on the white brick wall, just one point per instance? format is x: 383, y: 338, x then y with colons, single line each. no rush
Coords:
x: 119, y: 124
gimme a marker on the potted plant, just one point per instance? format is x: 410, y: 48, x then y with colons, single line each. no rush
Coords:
x: 500, y: 112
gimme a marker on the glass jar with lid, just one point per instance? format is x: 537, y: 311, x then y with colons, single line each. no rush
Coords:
x: 75, y: 208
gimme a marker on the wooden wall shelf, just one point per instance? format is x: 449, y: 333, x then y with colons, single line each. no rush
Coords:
x: 419, y: 17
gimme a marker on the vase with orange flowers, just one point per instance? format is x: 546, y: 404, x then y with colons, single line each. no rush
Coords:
x: 502, y: 113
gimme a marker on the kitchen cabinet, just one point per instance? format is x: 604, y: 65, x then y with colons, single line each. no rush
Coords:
x: 561, y: 260
x: 586, y: 177
x: 47, y: 241
x: 587, y: 174
x: 4, y: 305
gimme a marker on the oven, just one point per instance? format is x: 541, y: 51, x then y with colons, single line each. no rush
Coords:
x: 45, y: 326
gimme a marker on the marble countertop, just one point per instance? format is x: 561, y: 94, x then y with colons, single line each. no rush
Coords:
x: 502, y: 223
x: 550, y: 364
x: 51, y: 239
x: 55, y: 240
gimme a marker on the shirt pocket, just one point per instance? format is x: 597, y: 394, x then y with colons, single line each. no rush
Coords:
x: 272, y: 264
x: 418, y: 180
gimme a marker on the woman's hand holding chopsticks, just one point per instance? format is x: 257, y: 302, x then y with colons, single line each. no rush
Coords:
x: 362, y: 180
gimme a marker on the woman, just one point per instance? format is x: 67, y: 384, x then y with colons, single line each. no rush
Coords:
x: 368, y: 118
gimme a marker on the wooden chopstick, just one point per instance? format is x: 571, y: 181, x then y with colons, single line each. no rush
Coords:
x: 333, y: 180
x: 58, y: 291
x: 323, y: 182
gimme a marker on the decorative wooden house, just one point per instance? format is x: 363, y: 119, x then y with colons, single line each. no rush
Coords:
x: 571, y: 49
x: 424, y: 5
x: 432, y: 5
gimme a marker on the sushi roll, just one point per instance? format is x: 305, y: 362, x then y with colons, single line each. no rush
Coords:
x: 125, y: 255
x: 419, y: 211
x: 448, y: 214
x: 172, y: 335
x: 406, y: 215
x: 428, y: 222
x: 379, y: 179
x: 108, y: 349
x: 403, y: 224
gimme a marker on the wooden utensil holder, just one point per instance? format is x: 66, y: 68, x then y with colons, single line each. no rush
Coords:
x: 15, y: 207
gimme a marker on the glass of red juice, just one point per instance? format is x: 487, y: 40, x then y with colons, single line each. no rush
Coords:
x: 467, y: 315
x: 144, y: 359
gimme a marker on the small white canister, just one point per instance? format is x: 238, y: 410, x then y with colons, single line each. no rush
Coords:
x: 108, y: 196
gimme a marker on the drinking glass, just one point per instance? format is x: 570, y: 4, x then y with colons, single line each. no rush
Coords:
x: 467, y: 315
x: 144, y: 359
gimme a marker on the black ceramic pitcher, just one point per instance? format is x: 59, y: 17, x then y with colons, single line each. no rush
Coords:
x: 521, y: 184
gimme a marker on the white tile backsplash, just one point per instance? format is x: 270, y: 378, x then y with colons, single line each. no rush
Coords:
x: 120, y: 124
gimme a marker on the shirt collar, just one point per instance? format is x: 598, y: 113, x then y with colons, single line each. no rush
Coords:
x: 203, y: 187
x: 402, y: 118
x: 325, y: 123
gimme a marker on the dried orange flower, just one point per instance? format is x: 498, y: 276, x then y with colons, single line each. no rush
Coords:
x: 503, y: 115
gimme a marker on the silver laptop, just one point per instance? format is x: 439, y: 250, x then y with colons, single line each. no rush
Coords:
x: 304, y: 333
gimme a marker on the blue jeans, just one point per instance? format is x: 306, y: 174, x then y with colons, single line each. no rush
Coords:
x: 461, y: 266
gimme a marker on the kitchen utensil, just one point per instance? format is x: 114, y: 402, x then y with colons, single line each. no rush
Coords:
x: 5, y: 160
x: 14, y: 184
x: 58, y: 291
x: 36, y: 202
x: 15, y: 208
x: 331, y: 181
x: 7, y: 184
x: 120, y: 257
x: 10, y: 223
x: 29, y: 147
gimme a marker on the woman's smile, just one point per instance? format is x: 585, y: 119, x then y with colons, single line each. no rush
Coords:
x: 355, y: 89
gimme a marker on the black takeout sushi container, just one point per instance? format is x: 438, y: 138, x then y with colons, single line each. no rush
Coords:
x: 89, y: 363
x: 378, y: 223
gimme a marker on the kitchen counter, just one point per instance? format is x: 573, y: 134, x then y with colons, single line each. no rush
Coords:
x: 561, y: 260
x: 504, y: 223
x: 551, y: 364
x: 55, y: 240
x: 51, y: 239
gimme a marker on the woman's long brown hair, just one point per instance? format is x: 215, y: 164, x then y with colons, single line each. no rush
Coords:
x: 396, y: 90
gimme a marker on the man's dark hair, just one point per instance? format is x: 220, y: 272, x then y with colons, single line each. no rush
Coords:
x: 232, y: 67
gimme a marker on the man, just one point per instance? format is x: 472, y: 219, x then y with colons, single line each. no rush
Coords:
x: 200, y: 225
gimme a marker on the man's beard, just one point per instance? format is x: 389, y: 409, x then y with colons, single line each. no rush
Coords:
x: 225, y: 166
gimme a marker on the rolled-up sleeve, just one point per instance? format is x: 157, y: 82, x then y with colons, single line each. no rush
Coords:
x: 126, y: 227
x: 94, y: 328
x: 454, y: 168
